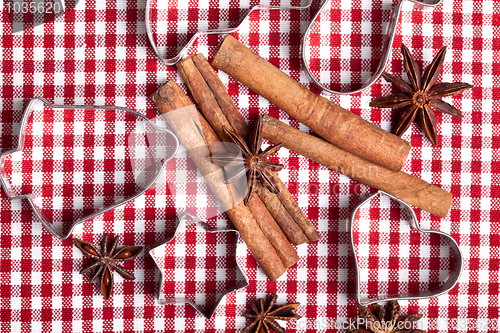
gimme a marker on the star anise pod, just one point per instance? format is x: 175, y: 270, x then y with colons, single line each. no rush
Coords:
x: 253, y: 159
x: 105, y: 261
x: 421, y: 96
x: 385, y: 320
x: 264, y: 315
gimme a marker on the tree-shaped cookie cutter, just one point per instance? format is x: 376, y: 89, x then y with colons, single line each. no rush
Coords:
x: 447, y: 285
x: 147, y: 173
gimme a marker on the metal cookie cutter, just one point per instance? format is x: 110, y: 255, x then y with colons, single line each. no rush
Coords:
x: 447, y: 285
x: 386, y: 46
x: 73, y: 190
x: 165, y: 257
x: 180, y: 55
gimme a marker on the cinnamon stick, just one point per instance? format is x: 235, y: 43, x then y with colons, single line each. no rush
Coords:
x: 196, y: 135
x: 410, y: 189
x: 208, y: 105
x: 266, y: 221
x: 202, y: 95
x: 285, y: 207
x: 282, y: 217
x: 293, y: 208
x: 226, y: 104
x: 335, y: 124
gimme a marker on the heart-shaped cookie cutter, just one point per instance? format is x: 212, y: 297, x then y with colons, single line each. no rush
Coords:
x: 448, y: 284
x: 180, y: 55
x: 178, y: 299
x: 140, y: 173
x: 386, y: 45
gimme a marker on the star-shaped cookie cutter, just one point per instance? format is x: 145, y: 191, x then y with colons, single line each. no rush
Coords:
x: 159, y: 251
x: 386, y: 45
x: 447, y: 285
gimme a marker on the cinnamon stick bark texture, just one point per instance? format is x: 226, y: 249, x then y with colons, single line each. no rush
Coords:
x: 282, y: 217
x: 285, y: 251
x: 410, y: 189
x: 281, y: 209
x: 196, y: 135
x: 209, y: 106
x: 335, y: 124
x: 202, y: 95
x: 293, y: 208
x: 231, y: 112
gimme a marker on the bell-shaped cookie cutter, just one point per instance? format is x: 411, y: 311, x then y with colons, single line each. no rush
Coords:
x: 35, y: 102
x: 180, y: 55
x: 386, y: 46
x: 448, y: 284
x: 207, y: 313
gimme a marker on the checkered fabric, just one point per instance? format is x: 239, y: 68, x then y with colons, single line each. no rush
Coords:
x: 98, y: 54
x: 199, y: 265
x: 74, y: 163
x: 394, y: 258
x: 173, y: 23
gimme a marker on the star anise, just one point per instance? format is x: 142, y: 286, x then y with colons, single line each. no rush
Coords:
x: 421, y: 96
x: 264, y: 315
x: 253, y: 159
x: 105, y: 261
x: 385, y: 320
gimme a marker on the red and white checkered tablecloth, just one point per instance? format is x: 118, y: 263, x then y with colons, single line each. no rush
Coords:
x: 99, y: 54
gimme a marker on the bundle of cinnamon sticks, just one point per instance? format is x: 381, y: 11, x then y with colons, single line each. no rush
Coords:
x: 351, y: 146
x: 271, y: 221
